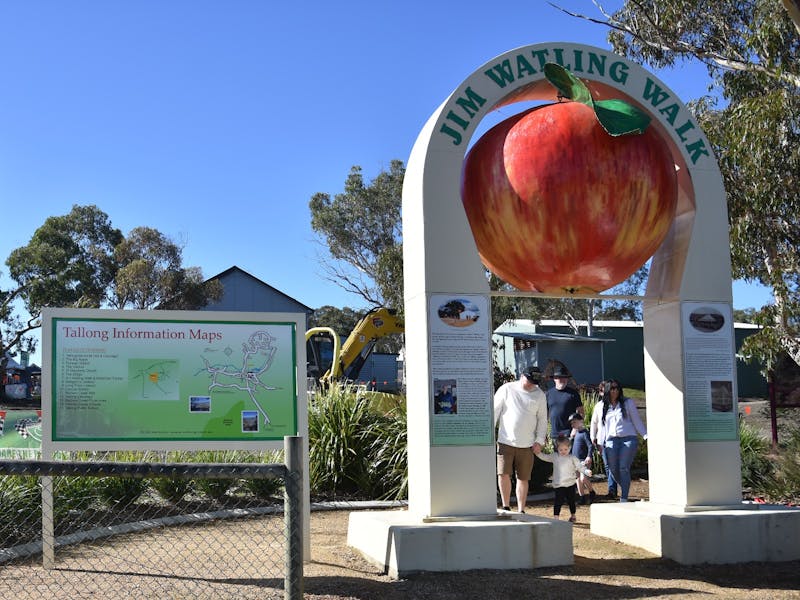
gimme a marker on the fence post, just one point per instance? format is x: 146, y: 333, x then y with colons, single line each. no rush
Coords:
x: 293, y: 517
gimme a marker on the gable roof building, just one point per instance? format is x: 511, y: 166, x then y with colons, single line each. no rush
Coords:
x: 243, y: 292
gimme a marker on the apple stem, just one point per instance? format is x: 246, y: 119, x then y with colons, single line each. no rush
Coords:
x: 616, y: 116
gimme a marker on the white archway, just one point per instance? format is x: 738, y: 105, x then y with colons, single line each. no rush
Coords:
x: 692, y: 266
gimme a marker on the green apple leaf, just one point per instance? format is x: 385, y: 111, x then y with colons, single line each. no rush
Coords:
x: 567, y: 84
x: 616, y: 116
x: 620, y: 118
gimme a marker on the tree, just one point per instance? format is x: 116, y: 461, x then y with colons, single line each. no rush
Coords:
x: 14, y: 331
x: 341, y: 320
x: 344, y: 320
x: 80, y: 260
x: 68, y: 262
x: 572, y: 310
x: 753, y: 124
x: 150, y: 275
x: 362, y: 230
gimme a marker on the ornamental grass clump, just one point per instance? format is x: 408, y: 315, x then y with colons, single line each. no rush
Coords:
x: 356, y: 448
x: 784, y: 485
x: 339, y: 434
x: 264, y: 489
x: 757, y: 468
x: 389, y: 454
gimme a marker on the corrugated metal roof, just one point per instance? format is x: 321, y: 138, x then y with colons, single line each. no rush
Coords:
x: 550, y: 337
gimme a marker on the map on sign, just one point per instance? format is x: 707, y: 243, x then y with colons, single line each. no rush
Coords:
x: 153, y: 379
x: 246, y: 376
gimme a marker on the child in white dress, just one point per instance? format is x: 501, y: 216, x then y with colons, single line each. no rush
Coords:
x: 566, y: 468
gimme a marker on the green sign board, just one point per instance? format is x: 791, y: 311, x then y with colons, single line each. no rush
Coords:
x: 129, y: 380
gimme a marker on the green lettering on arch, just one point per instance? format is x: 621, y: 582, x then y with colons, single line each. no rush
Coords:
x: 597, y: 63
x: 654, y: 93
x: 501, y: 74
x: 472, y: 103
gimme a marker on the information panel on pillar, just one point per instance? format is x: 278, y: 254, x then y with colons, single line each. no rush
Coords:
x: 709, y: 372
x: 461, y: 370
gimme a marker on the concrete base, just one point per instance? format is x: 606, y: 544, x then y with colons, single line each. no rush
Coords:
x: 403, y: 544
x: 750, y: 533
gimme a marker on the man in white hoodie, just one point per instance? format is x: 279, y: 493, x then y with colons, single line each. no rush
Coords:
x: 520, y: 410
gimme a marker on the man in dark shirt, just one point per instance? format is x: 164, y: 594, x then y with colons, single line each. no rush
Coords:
x: 562, y: 401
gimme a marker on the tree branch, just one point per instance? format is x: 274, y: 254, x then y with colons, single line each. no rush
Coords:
x: 673, y: 44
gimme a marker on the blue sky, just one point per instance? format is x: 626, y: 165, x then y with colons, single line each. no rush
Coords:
x: 215, y: 122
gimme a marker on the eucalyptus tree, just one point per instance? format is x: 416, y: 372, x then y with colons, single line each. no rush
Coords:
x: 751, y: 51
x: 80, y: 260
x: 151, y: 275
x: 362, y: 230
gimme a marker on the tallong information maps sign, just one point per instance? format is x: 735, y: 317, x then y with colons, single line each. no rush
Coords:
x: 174, y: 378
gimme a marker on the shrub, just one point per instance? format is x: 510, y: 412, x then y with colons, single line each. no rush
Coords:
x: 757, y: 468
x: 172, y: 489
x: 121, y: 491
x: 340, y: 435
x: 389, y: 454
x: 216, y: 489
x: 20, y: 509
x: 784, y: 486
x: 640, y: 460
x: 73, y: 494
x: 264, y: 489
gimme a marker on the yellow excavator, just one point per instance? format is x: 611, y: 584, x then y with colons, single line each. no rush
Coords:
x: 330, y: 361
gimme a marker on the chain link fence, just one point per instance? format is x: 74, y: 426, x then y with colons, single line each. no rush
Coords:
x: 89, y: 529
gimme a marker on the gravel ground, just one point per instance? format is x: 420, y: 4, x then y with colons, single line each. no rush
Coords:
x: 603, y: 569
x: 212, y: 564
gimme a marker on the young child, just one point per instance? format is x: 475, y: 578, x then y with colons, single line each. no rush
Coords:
x: 565, y: 470
x: 582, y: 448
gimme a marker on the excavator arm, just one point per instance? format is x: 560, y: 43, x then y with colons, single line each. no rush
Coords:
x: 350, y: 357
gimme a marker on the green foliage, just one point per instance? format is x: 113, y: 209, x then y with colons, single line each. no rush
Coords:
x: 589, y: 399
x: 150, y: 275
x: 785, y: 483
x: 80, y: 260
x: 339, y: 422
x: 634, y: 394
x: 752, y: 121
x: 356, y: 448
x: 640, y: 460
x: 264, y: 489
x: 121, y: 491
x: 388, y: 454
x: 757, y: 468
x: 341, y: 320
x: 68, y: 261
x: 20, y: 504
x: 361, y: 228
x: 216, y: 489
x: 172, y: 489
x: 74, y: 493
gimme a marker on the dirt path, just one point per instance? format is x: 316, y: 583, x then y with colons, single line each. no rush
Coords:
x: 603, y: 569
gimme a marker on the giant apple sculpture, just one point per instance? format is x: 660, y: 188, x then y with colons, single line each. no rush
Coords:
x: 569, y: 197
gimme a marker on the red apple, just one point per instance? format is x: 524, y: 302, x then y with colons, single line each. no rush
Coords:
x: 556, y: 204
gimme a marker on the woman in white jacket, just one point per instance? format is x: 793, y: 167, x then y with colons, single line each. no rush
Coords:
x: 621, y: 422
x: 598, y: 437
